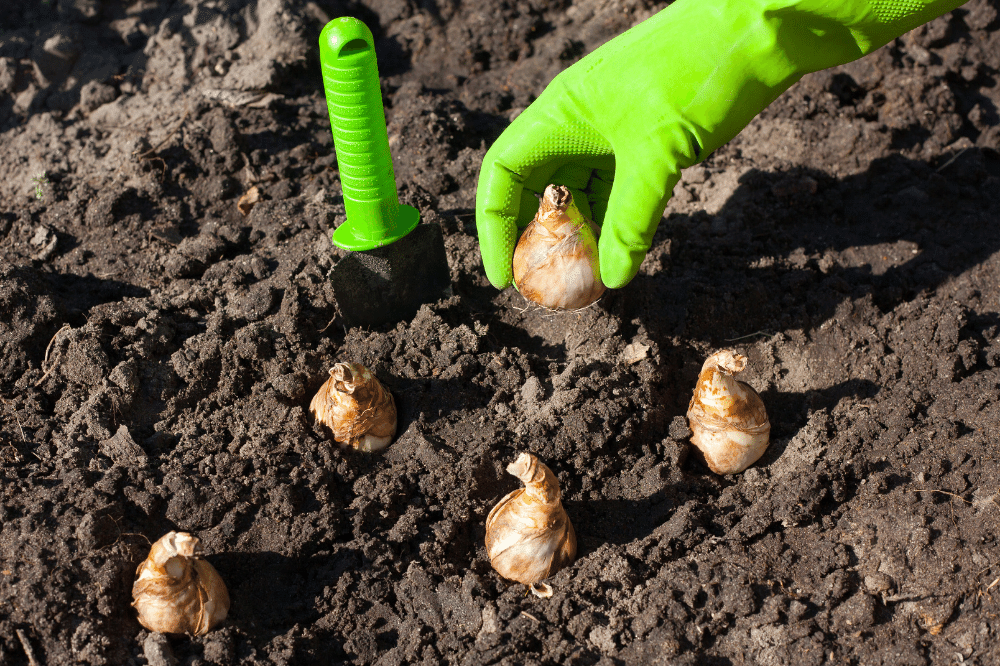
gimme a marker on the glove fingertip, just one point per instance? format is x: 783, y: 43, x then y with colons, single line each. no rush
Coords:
x: 623, y: 244
x: 499, y: 277
x: 618, y: 263
x: 634, y: 210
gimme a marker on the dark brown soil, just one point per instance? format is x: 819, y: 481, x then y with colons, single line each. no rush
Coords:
x: 158, y: 352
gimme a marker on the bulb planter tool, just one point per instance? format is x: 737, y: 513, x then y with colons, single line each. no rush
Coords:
x: 394, y: 264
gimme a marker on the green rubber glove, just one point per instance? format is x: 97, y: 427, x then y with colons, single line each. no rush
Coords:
x: 618, y: 126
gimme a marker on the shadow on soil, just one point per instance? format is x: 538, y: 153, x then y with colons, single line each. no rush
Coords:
x: 891, y: 232
x: 280, y: 598
x: 624, y: 521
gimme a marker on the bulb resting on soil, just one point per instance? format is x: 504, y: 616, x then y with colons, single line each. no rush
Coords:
x: 555, y: 262
x: 727, y: 416
x: 528, y: 534
x: 177, y: 592
x: 355, y: 405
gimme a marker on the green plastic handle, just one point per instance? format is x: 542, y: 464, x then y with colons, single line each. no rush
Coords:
x: 354, y: 99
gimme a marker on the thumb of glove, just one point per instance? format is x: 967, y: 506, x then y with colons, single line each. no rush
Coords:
x: 636, y: 204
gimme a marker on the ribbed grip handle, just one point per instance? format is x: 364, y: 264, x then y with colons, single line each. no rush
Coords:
x: 357, y: 119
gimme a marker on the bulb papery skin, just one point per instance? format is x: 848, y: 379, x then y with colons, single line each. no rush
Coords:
x: 556, y: 262
x: 528, y: 535
x: 356, y: 407
x: 177, y: 592
x: 727, y: 417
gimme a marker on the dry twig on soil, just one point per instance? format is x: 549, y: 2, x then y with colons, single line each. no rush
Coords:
x: 65, y: 327
x: 152, y: 150
x: 19, y: 426
x: 26, y: 645
x: 932, y: 490
x: 948, y: 163
x: 766, y: 334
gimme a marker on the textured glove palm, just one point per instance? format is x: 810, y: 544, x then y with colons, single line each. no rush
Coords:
x: 618, y: 126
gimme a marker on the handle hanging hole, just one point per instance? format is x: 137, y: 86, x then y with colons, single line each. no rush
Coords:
x: 353, y: 47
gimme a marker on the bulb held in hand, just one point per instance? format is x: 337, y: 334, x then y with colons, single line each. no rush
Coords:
x: 555, y: 262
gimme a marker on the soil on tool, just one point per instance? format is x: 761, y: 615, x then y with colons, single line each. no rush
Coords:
x: 159, y: 349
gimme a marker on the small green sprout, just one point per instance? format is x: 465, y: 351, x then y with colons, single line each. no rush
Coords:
x: 40, y: 181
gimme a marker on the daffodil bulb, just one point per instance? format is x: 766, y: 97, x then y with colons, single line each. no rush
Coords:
x: 528, y: 534
x: 177, y: 592
x: 355, y: 405
x: 555, y: 262
x: 727, y: 417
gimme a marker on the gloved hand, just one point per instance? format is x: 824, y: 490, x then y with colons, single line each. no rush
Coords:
x: 618, y: 126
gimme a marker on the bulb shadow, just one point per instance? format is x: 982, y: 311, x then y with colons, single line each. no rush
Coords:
x: 618, y: 522
x: 271, y: 593
x: 788, y: 412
